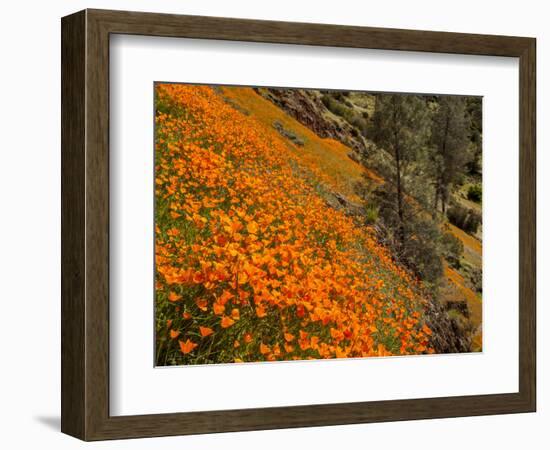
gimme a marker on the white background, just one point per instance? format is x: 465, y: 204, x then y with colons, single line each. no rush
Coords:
x: 30, y: 237
x: 139, y: 388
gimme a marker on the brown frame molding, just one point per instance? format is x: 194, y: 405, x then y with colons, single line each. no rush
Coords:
x: 85, y: 224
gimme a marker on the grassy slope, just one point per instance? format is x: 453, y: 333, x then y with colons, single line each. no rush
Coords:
x: 331, y: 158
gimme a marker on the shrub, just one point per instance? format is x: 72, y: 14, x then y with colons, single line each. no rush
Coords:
x: 464, y: 218
x: 344, y: 108
x: 371, y: 214
x: 452, y: 249
x: 335, y: 106
x: 476, y: 278
x: 419, y: 250
x: 475, y: 193
x: 359, y: 123
x: 289, y: 134
x: 474, y: 221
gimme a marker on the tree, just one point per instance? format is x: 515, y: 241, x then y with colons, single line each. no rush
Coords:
x: 400, y: 126
x: 474, y: 108
x: 417, y: 243
x: 450, y: 134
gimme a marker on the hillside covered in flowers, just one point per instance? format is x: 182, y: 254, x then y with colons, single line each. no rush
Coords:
x: 252, y: 263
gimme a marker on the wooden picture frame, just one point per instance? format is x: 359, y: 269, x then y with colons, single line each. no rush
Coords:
x: 85, y: 224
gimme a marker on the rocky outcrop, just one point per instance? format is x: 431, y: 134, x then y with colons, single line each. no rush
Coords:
x: 340, y: 202
x: 307, y: 108
x: 449, y: 335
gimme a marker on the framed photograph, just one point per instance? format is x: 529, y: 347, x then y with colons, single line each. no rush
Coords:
x: 273, y: 225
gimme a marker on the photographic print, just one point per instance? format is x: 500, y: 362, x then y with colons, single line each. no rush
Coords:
x: 305, y: 224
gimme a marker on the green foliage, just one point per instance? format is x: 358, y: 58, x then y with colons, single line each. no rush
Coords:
x: 421, y: 251
x: 334, y: 105
x: 474, y: 276
x: 475, y: 193
x: 449, y: 145
x: 339, y: 105
x: 421, y: 147
x: 289, y: 134
x: 415, y: 240
x: 371, y: 214
x: 458, y: 317
x: 400, y: 125
x: 359, y: 122
x: 474, y: 109
x: 452, y: 249
x: 465, y: 218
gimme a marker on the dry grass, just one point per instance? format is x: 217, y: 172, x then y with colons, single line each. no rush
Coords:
x: 326, y: 156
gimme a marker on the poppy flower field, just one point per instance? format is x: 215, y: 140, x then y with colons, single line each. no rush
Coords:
x: 251, y: 262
